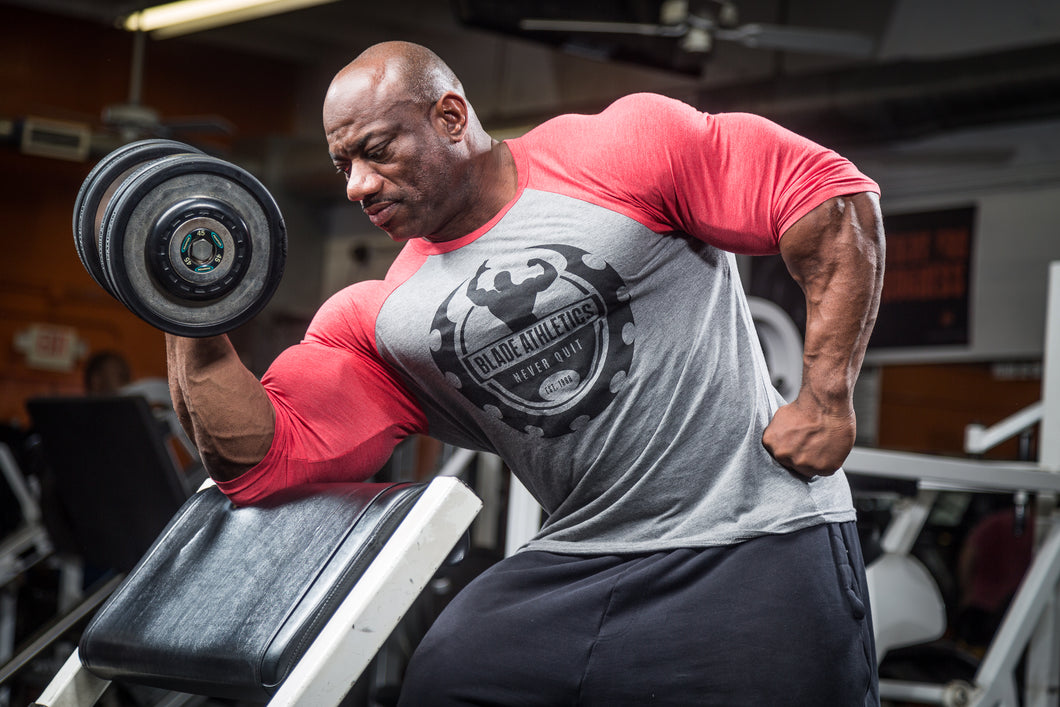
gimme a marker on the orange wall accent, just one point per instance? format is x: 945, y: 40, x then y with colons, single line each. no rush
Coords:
x: 925, y: 408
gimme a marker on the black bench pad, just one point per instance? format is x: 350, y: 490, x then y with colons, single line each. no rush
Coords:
x: 228, y: 599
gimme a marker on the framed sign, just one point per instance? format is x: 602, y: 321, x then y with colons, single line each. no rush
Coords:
x: 926, y: 288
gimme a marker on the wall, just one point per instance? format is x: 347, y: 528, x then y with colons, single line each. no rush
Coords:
x: 1011, y: 176
x: 926, y: 407
x: 69, y: 70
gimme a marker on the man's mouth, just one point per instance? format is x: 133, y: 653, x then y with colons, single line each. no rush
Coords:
x: 379, y: 212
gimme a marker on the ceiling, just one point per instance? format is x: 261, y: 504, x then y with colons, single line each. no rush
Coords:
x: 920, y: 49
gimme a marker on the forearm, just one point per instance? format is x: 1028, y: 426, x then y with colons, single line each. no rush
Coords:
x: 841, y: 279
x: 221, y: 405
x: 836, y: 254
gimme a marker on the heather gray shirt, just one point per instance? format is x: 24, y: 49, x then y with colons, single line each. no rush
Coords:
x: 616, y: 370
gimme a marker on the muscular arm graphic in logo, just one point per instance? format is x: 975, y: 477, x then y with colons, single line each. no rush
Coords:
x: 511, y: 302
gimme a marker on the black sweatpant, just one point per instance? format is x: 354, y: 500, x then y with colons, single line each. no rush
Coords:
x: 777, y: 620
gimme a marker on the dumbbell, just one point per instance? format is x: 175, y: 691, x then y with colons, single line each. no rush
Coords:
x: 190, y: 243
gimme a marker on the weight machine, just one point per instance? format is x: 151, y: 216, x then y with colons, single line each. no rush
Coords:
x: 1032, y: 621
x: 374, y: 549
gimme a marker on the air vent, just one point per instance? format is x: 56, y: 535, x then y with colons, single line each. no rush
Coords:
x: 55, y: 138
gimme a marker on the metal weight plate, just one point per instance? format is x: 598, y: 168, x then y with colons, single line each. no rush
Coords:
x: 193, y: 245
x: 97, y: 190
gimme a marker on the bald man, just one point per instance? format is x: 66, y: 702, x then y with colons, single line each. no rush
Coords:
x: 700, y: 544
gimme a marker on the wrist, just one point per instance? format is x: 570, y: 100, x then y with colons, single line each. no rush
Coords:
x: 829, y: 400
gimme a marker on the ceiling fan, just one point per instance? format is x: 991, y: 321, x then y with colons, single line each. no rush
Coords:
x: 696, y: 25
x: 132, y: 120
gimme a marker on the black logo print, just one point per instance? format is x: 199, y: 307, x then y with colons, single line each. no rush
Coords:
x: 543, y: 343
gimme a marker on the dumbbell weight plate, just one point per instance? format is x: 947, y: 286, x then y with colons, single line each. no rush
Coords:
x: 97, y: 190
x: 193, y: 245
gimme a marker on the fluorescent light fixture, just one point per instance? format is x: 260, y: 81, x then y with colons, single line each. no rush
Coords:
x: 186, y: 16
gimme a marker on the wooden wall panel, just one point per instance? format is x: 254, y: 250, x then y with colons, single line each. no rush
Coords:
x: 925, y: 408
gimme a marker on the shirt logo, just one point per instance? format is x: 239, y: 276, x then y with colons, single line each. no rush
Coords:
x: 542, y: 341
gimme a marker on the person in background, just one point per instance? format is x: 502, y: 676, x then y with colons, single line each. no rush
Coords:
x: 106, y: 372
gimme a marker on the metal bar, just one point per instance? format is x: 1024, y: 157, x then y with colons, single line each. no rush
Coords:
x: 13, y: 560
x: 648, y: 30
x: 1035, y: 593
x: 907, y: 521
x: 1043, y: 653
x: 919, y: 692
x: 978, y: 439
x: 72, y: 686
x: 58, y: 628
x: 180, y: 699
x: 1001, y: 694
x: 524, y: 517
x: 136, y: 73
x: 460, y: 460
x: 951, y: 473
x: 8, y: 614
x: 1049, y: 441
x: 489, y: 486
x: 26, y: 501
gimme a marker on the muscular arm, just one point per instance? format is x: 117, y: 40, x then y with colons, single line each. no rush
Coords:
x: 221, y: 405
x: 836, y: 254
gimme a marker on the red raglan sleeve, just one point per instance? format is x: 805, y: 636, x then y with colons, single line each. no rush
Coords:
x: 340, y: 410
x: 735, y: 180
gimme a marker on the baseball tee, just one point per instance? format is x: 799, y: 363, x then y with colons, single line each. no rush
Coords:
x: 594, y: 334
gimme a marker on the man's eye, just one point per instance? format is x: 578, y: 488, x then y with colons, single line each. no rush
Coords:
x: 343, y: 172
x: 378, y: 153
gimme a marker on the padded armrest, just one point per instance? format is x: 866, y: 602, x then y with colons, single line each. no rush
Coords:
x: 228, y: 599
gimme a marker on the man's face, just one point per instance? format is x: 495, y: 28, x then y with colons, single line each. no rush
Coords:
x: 395, y: 156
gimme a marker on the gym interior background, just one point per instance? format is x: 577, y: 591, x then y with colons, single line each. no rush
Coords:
x: 954, y: 110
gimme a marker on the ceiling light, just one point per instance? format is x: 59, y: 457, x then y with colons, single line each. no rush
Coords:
x: 186, y: 16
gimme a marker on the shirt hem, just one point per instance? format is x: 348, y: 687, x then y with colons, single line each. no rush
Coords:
x: 586, y: 547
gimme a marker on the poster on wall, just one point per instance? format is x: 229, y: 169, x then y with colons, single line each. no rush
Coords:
x: 926, y: 291
x: 926, y: 288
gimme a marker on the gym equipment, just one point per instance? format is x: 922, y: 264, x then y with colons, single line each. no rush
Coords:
x: 108, y: 487
x: 28, y: 543
x: 21, y: 548
x: 190, y: 243
x: 1029, y: 635
x: 781, y: 345
x: 115, y: 485
x: 906, y: 603
x: 286, y: 602
x: 98, y: 188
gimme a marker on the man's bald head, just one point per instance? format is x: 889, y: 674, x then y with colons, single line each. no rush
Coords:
x: 405, y: 68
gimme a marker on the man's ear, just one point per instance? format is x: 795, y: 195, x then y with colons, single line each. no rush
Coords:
x: 451, y: 115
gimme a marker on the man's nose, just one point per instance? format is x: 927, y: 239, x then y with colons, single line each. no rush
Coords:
x: 362, y: 183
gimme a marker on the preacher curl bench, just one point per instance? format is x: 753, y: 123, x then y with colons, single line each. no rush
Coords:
x: 285, y: 603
